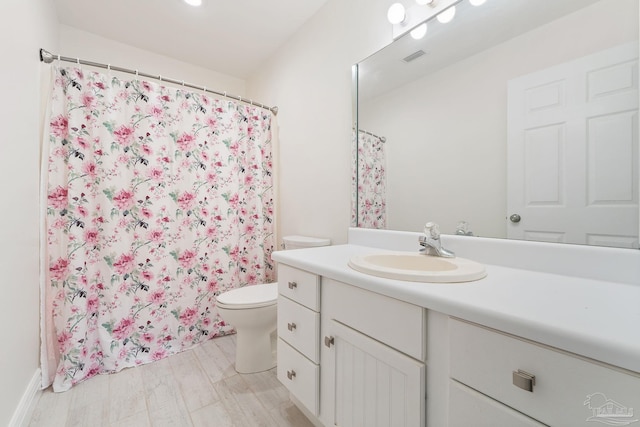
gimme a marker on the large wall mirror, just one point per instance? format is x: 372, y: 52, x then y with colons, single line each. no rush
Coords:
x: 518, y: 118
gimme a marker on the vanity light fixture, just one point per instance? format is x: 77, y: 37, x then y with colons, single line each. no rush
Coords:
x: 396, y: 13
x: 419, y: 32
x: 447, y: 15
x: 477, y: 2
x: 410, y: 19
x: 193, y: 2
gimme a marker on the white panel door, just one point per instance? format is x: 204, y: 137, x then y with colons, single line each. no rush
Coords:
x: 573, y: 151
x: 373, y: 385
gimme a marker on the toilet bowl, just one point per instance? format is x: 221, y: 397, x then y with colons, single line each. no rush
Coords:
x: 252, y: 311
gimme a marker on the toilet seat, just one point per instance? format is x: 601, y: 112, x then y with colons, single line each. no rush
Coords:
x: 251, y: 296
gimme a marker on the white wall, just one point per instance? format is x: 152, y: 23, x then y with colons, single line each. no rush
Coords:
x: 76, y: 43
x: 309, y: 79
x: 26, y: 27
x: 458, y: 164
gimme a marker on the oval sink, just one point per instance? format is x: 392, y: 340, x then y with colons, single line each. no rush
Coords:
x: 416, y: 267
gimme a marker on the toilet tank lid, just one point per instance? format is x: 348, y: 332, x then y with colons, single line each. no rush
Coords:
x: 306, y: 241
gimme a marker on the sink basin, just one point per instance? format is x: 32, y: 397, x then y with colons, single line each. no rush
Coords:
x: 416, y: 267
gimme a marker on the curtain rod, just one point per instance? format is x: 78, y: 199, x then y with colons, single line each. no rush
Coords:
x: 381, y: 138
x: 48, y: 57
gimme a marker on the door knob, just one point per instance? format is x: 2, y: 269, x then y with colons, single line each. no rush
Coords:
x: 293, y: 285
x: 328, y: 341
x: 291, y: 326
x: 515, y: 218
x: 291, y: 374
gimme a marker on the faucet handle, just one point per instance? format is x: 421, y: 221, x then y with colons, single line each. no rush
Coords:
x: 432, y: 230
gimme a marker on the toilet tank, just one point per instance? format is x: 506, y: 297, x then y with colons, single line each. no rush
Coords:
x: 299, y: 242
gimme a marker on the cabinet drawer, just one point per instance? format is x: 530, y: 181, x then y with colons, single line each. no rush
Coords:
x: 299, y: 375
x: 467, y: 408
x: 301, y: 286
x: 398, y: 324
x: 568, y: 390
x: 300, y: 327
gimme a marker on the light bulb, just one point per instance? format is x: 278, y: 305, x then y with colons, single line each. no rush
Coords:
x: 447, y: 15
x: 477, y: 2
x: 396, y: 15
x: 193, y: 2
x: 424, y: 2
x: 419, y: 32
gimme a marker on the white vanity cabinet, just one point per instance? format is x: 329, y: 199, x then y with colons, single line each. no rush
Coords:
x: 299, y: 335
x: 354, y: 356
x: 351, y: 357
x: 492, y: 372
x: 373, y: 352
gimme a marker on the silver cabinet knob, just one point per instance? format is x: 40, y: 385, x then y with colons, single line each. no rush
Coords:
x: 515, y: 218
x: 291, y: 326
x: 328, y: 341
x: 524, y: 380
x: 293, y: 285
x: 291, y: 374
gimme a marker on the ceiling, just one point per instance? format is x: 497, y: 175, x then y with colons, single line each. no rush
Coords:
x: 233, y: 37
x: 473, y: 30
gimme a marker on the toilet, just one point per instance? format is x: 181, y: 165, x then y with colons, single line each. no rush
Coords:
x: 252, y: 311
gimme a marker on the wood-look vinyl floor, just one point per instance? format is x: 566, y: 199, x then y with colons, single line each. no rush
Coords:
x: 198, y: 387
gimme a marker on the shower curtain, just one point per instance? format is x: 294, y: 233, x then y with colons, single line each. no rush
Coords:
x: 157, y: 199
x: 368, y: 182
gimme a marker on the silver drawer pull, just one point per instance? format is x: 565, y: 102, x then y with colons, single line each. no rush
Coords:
x: 293, y: 285
x: 291, y: 326
x: 328, y: 341
x: 524, y: 380
x: 291, y: 374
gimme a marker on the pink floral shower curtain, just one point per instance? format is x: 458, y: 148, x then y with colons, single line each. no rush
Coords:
x: 368, y: 182
x: 157, y: 199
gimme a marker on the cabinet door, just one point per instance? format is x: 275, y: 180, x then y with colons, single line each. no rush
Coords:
x: 371, y: 384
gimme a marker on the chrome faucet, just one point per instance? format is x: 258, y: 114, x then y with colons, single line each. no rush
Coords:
x: 431, y: 244
x: 463, y: 229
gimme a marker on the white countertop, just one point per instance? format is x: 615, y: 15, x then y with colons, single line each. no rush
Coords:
x: 593, y: 318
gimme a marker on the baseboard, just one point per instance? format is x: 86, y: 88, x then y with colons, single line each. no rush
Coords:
x: 19, y: 418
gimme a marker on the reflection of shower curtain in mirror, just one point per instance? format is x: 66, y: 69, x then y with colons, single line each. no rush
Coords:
x: 369, y: 182
x: 157, y: 199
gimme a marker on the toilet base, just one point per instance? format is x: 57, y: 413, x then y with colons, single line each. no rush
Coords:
x: 255, y: 337
x: 255, y: 352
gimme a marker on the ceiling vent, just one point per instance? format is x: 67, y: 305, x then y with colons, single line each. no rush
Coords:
x: 414, y: 55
